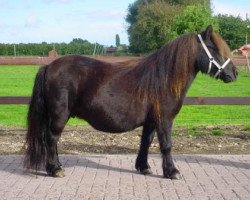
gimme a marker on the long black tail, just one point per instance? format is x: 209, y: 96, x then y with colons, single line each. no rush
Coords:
x: 37, y: 121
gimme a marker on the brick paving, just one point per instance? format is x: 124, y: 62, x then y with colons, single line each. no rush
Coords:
x: 95, y: 177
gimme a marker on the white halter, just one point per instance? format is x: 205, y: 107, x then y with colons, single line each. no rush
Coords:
x: 211, y: 59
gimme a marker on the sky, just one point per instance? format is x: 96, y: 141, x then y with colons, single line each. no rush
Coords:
x: 35, y: 21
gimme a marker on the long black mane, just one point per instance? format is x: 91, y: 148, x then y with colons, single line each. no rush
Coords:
x: 168, y: 67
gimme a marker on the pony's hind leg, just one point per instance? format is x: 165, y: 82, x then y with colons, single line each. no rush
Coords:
x: 146, y: 139
x: 53, y: 165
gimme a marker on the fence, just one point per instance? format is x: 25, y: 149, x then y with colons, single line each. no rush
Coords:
x: 187, y: 100
x: 26, y: 60
x: 238, y: 60
x: 34, y: 60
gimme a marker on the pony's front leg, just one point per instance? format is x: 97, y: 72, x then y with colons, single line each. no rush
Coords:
x: 146, y: 139
x: 165, y: 141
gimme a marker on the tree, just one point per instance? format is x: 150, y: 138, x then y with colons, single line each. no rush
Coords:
x: 151, y: 31
x: 133, y: 9
x: 117, y: 40
x: 150, y: 21
x: 194, y: 18
x: 76, y: 46
x: 233, y: 30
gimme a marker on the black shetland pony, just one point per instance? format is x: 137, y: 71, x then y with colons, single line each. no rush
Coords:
x: 119, y: 97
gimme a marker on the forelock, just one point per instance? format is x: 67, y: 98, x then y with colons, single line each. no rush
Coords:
x: 224, y: 49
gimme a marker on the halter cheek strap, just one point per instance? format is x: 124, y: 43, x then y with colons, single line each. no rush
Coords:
x: 211, y: 59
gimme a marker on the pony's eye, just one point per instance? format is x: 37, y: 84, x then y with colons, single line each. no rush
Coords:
x: 212, y: 47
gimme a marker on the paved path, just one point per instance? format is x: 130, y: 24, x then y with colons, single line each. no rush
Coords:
x: 113, y: 177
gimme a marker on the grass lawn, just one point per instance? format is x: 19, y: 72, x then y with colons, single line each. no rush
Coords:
x: 18, y: 81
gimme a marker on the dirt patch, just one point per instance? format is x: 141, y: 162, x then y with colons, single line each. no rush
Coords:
x: 85, y: 140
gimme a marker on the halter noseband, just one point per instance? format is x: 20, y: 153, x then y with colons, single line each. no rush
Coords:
x: 211, y: 59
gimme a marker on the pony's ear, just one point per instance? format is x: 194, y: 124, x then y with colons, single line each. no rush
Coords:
x: 206, y: 35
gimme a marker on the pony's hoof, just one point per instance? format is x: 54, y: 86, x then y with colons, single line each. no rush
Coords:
x: 145, y: 171
x: 62, y: 169
x: 173, y: 174
x: 59, y: 173
x: 176, y: 176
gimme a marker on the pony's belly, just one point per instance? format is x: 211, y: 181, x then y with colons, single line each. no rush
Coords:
x: 113, y: 125
x: 113, y: 113
x: 111, y: 122
x: 112, y: 128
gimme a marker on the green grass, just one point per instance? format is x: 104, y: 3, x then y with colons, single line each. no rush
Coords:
x: 213, y: 115
x: 217, y: 131
x: 194, y: 131
x: 18, y: 81
x: 246, y: 128
x: 204, y: 85
x: 15, y: 115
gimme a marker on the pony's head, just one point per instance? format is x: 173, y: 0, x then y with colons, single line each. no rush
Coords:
x: 214, y: 56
